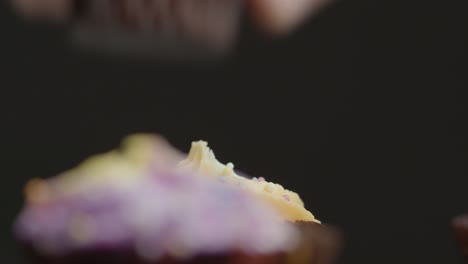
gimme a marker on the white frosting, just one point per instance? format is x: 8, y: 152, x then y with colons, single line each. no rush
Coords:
x: 202, y: 159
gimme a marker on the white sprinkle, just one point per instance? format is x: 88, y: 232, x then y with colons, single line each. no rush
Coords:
x: 270, y: 187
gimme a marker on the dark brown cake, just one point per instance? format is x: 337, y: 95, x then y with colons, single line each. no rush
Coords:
x: 320, y: 244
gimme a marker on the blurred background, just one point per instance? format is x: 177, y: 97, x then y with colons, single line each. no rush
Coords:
x: 362, y: 111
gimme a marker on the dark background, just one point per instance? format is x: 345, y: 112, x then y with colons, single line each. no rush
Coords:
x: 362, y: 111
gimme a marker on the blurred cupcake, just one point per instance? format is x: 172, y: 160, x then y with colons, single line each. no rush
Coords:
x: 175, y: 28
x: 460, y: 229
x: 142, y: 204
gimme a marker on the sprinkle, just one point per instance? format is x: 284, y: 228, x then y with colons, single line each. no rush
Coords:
x: 230, y: 165
x: 261, y: 179
x: 270, y: 187
x: 255, y: 179
x: 286, y: 197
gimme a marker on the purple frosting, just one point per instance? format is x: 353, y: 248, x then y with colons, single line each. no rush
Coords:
x: 165, y: 213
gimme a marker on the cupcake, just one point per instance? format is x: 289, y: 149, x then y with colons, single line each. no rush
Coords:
x: 460, y: 229
x: 162, y: 28
x: 147, y: 203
